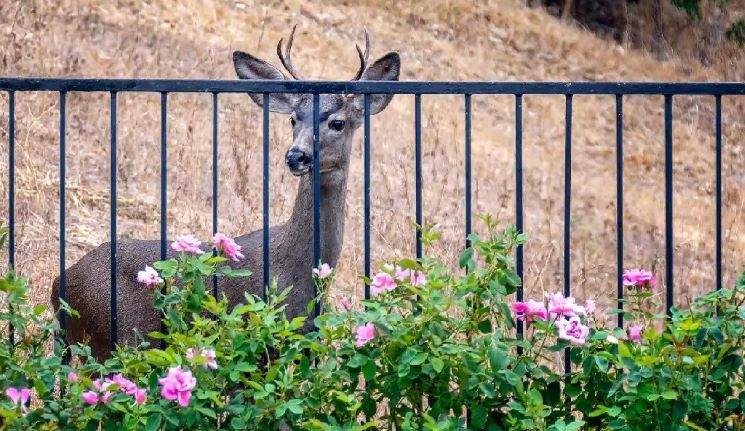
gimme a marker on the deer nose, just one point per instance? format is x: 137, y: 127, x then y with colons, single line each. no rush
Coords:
x: 298, y: 160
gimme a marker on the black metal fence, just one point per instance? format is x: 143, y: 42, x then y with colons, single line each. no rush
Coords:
x: 417, y: 89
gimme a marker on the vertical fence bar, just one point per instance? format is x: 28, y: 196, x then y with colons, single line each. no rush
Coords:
x: 719, y: 190
x: 367, y: 192
x: 519, y: 197
x: 163, y: 185
x: 215, y: 117
x: 62, y: 152
x: 418, y: 168
x: 468, y: 166
x: 619, y: 205
x: 316, y: 191
x: 113, y: 234
x: 567, y: 208
x: 11, y: 190
x: 265, y: 185
x: 163, y: 172
x: 668, y: 202
x: 11, y: 179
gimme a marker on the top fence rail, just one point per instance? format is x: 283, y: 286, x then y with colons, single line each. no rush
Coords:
x: 377, y: 87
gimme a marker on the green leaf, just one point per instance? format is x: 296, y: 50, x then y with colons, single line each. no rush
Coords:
x: 623, y: 350
x: 296, y: 406
x: 238, y: 424
x: 153, y: 421
x: 438, y: 364
x: 39, y: 309
x: 465, y: 257
x: 245, y: 367
x: 498, y: 358
x: 357, y: 361
x: 670, y: 395
x: 419, y: 358
x: 368, y: 370
x: 602, y: 363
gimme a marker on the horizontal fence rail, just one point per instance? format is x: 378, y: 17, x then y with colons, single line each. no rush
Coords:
x: 370, y: 87
x: 63, y: 86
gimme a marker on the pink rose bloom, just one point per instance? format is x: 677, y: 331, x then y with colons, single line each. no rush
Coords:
x: 103, y: 387
x: 72, y: 377
x: 211, y: 358
x: 89, y: 397
x: 19, y: 397
x: 382, y: 282
x: 125, y: 385
x: 140, y: 396
x: 529, y: 310
x: 558, y: 305
x: 150, y: 277
x: 346, y: 304
x: 187, y: 244
x: 416, y: 278
x: 573, y: 330
x: 365, y: 334
x: 635, y: 333
x: 177, y: 385
x: 324, y: 271
x: 228, y: 246
x: 590, y: 306
x: 639, y: 278
x: 207, y: 354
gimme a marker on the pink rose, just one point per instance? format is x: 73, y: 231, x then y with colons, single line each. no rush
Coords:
x: 177, y: 385
x: 187, y: 244
x: 89, y: 397
x: 558, y: 305
x: 72, y: 377
x: 529, y: 310
x: 590, y: 306
x: 346, y: 304
x: 324, y: 271
x: 140, y: 396
x: 573, y: 330
x: 635, y: 333
x: 382, y: 282
x: 640, y: 279
x: 207, y: 354
x: 125, y: 385
x: 228, y: 246
x: 19, y: 397
x: 365, y: 334
x: 416, y: 278
x: 150, y: 277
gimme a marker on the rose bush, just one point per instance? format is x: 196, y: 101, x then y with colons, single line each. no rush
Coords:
x: 433, y: 348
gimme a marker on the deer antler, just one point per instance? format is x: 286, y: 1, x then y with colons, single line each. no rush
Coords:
x: 286, y: 58
x: 363, y: 57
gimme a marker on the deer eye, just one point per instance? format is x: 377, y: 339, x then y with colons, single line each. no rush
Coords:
x: 337, y: 125
x: 292, y: 121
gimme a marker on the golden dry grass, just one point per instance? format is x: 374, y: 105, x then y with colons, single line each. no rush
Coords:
x: 498, y: 40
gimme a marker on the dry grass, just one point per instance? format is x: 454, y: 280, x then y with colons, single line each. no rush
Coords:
x: 458, y: 40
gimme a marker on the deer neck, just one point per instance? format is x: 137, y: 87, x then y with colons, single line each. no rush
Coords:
x: 300, y: 224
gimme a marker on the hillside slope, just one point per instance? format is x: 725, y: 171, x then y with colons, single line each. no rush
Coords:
x: 497, y: 40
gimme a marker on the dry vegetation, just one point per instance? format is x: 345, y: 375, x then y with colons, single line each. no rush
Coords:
x: 457, y: 40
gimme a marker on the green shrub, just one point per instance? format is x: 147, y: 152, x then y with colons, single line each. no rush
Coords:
x: 432, y: 349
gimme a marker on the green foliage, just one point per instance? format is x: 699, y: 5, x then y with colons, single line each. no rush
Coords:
x: 736, y: 32
x: 692, y: 8
x: 440, y: 346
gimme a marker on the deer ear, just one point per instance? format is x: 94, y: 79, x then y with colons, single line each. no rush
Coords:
x: 387, y: 68
x: 249, y: 67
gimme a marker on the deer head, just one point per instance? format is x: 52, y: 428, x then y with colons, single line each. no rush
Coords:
x: 340, y: 115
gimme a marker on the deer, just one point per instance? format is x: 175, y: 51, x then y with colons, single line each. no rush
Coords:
x: 88, y: 281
